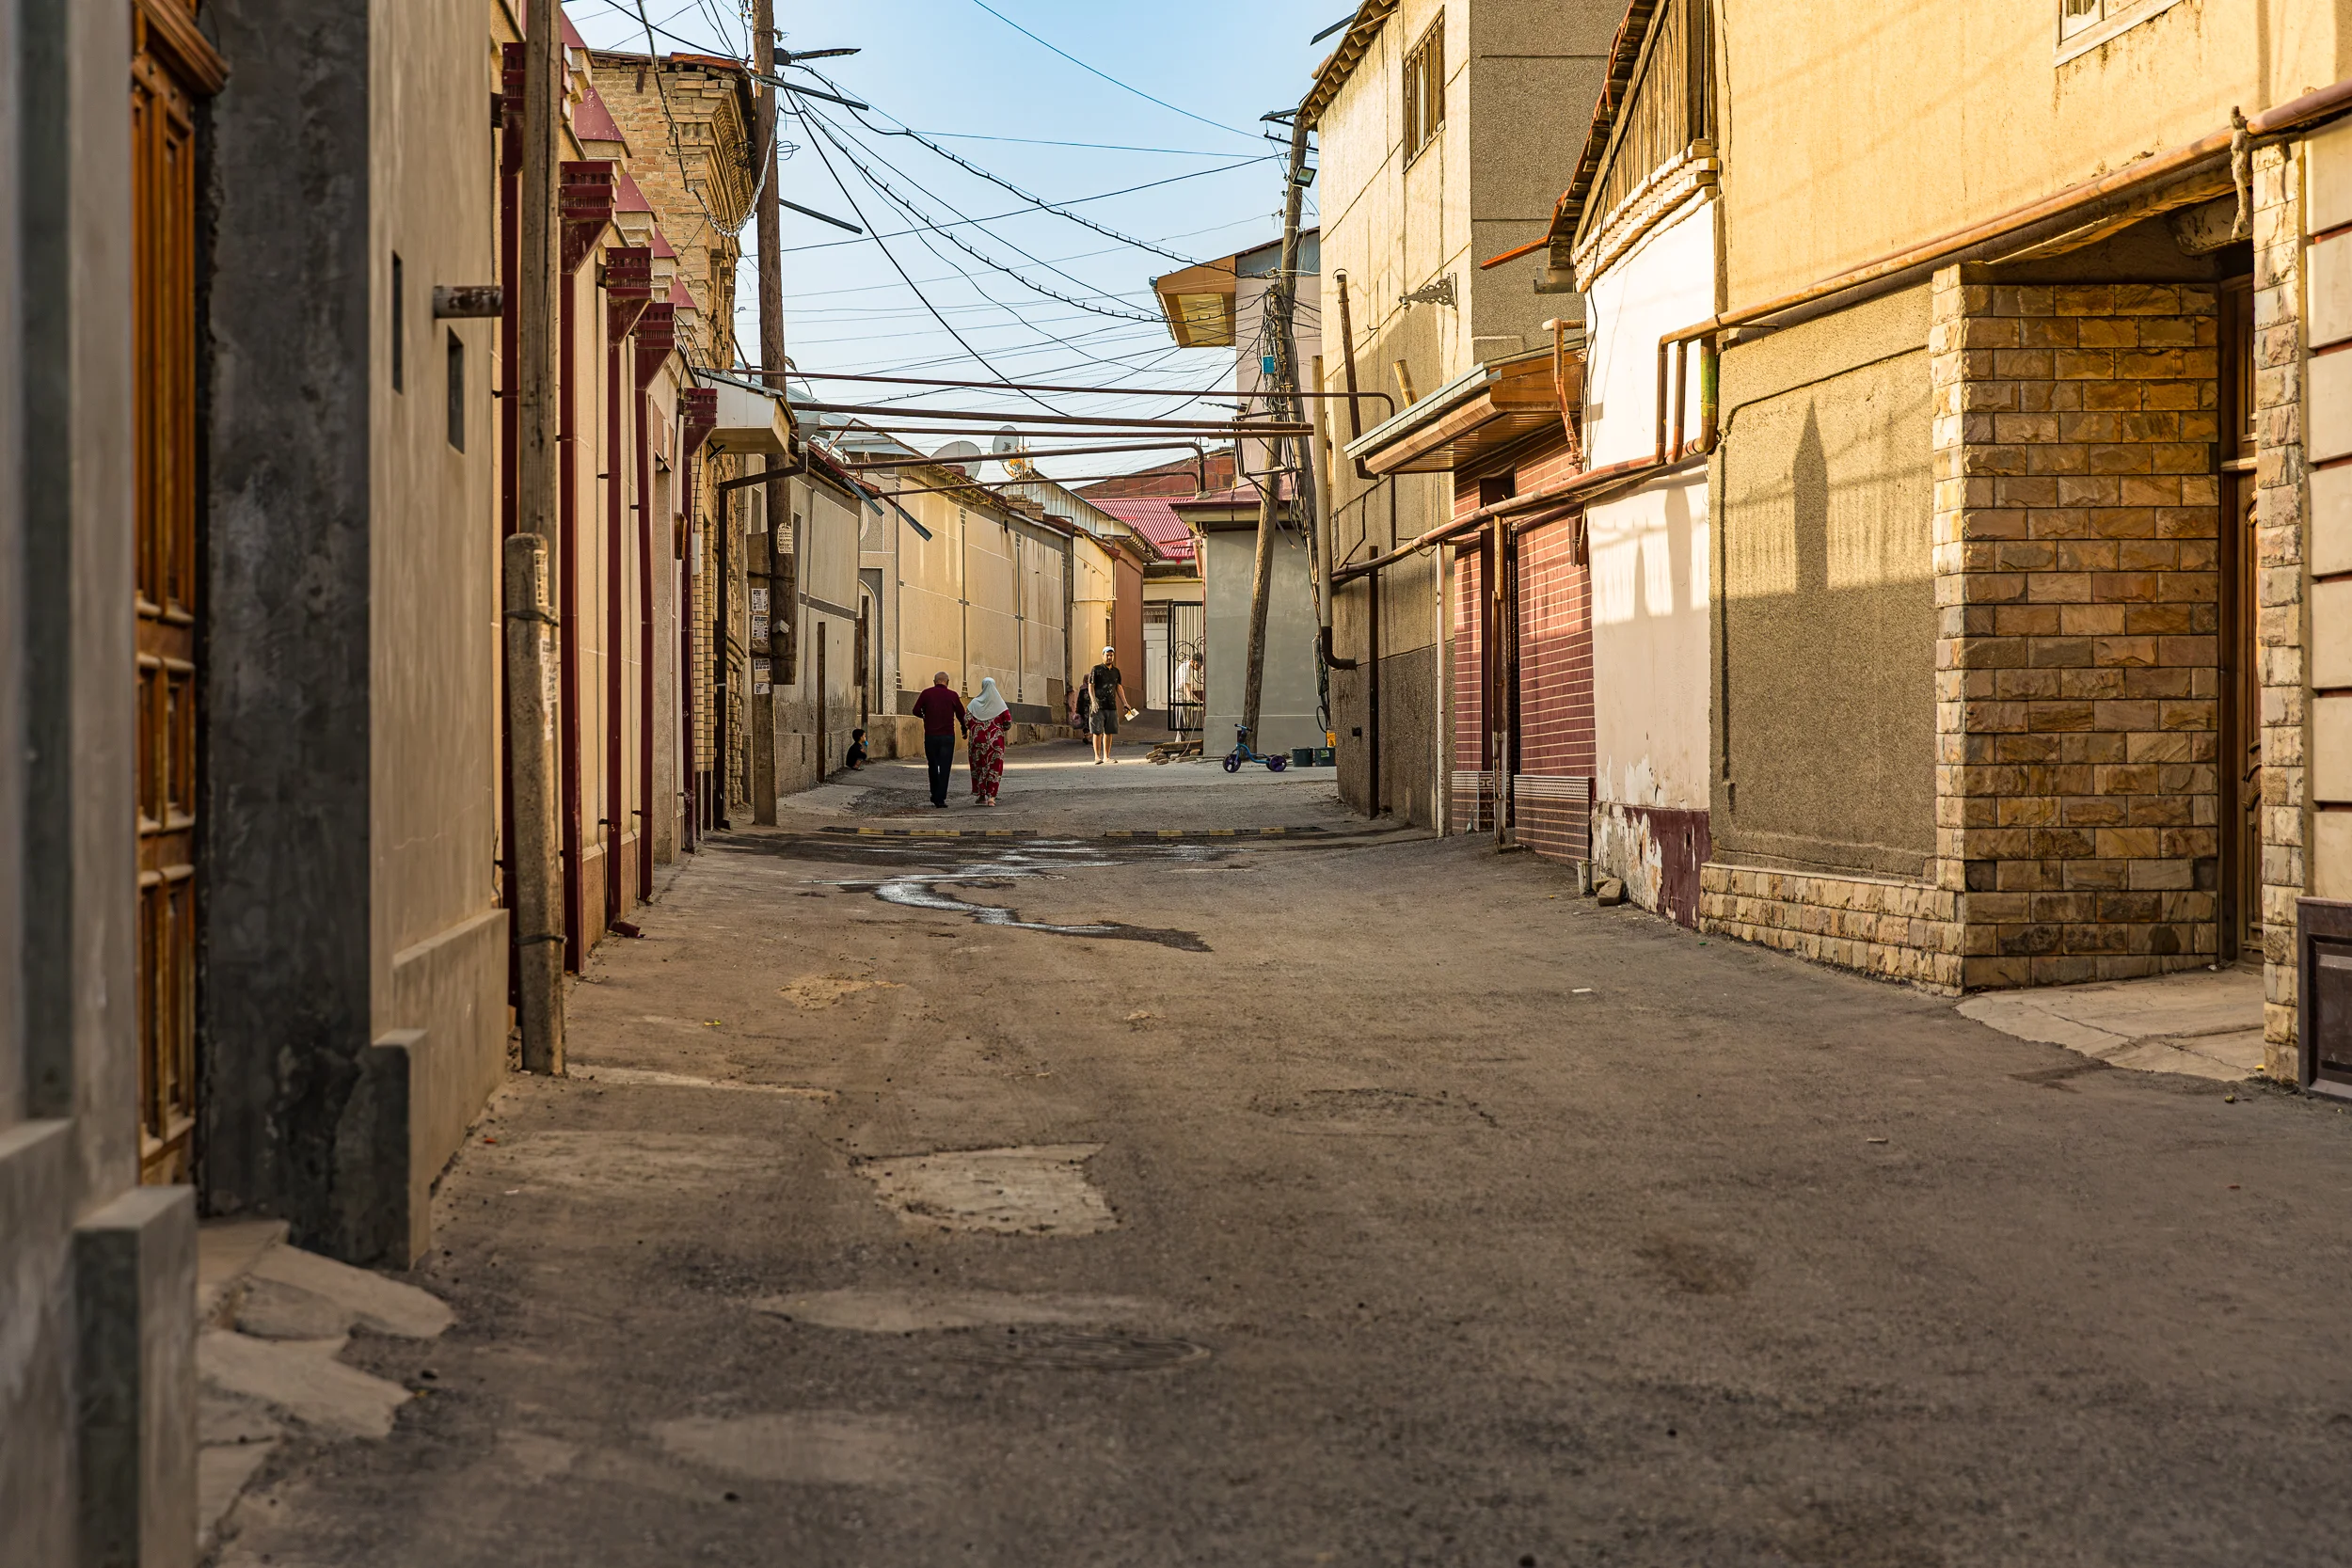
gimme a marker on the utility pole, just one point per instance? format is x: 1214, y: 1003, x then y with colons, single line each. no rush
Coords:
x: 536, y: 919
x: 1280, y: 304
x: 774, y: 496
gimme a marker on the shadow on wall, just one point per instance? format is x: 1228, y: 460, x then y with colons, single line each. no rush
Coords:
x: 1825, y: 690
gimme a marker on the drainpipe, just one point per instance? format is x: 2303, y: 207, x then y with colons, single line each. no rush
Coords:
x: 567, y: 608
x: 612, y: 819
x: 720, y: 526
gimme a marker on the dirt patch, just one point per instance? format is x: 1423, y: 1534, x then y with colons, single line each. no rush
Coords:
x: 1040, y: 1191
x: 826, y: 991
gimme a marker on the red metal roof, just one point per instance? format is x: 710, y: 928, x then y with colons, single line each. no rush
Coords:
x: 631, y: 199
x: 1154, y: 518
x: 679, y: 295
x: 593, y: 122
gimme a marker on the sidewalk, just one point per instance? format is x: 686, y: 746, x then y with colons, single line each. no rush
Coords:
x: 2205, y: 1022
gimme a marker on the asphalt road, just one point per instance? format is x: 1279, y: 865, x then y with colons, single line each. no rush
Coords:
x: 1367, y: 1203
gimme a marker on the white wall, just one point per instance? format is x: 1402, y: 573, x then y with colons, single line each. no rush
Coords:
x: 1649, y: 551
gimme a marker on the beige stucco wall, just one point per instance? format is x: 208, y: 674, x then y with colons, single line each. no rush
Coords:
x: 1907, y: 120
x: 437, y: 941
x: 1825, y: 714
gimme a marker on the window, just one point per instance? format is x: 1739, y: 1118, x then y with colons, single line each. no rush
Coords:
x: 2085, y: 25
x: 456, y: 393
x: 1424, y: 89
x: 399, y: 323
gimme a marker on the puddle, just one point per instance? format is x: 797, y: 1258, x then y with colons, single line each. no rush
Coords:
x: 1037, y: 1191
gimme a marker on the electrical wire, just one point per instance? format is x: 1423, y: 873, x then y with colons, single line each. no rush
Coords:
x: 889, y: 256
x: 825, y: 127
x: 1108, y: 77
x: 1075, y: 201
x: 1037, y: 201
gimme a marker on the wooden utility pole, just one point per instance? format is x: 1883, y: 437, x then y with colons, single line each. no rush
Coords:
x: 774, y: 496
x: 537, y: 918
x: 1279, y: 305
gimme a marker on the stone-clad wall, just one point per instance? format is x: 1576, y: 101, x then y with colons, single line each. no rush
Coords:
x: 2279, y: 546
x: 2076, y: 541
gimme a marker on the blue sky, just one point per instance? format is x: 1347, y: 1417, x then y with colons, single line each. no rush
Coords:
x: 972, y: 82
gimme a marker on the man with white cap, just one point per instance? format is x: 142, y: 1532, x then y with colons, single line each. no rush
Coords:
x: 1107, y: 692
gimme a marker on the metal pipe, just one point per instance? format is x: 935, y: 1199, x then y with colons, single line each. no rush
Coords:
x: 1057, y: 387
x: 567, y: 612
x: 1211, y: 427
x: 917, y: 462
x: 1576, y: 487
x: 1347, y: 357
x: 1372, y: 701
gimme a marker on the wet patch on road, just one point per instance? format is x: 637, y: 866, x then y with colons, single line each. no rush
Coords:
x: 1077, y: 1350
x: 1373, y: 1109
x: 812, y: 1448
x: 884, y: 1311
x: 918, y: 874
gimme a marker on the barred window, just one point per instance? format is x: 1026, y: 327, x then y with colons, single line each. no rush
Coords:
x: 1424, y: 89
x: 2088, y: 22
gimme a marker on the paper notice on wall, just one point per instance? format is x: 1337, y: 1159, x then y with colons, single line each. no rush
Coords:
x: 759, y: 604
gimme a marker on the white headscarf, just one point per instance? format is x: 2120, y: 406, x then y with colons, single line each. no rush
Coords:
x: 988, y: 703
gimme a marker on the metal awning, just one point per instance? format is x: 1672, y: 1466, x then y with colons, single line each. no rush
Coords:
x: 1486, y: 408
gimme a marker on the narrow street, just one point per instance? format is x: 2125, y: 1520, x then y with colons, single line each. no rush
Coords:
x: 1384, y: 1203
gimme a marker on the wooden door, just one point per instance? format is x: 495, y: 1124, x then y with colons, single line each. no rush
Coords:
x: 172, y: 70
x: 2241, y: 758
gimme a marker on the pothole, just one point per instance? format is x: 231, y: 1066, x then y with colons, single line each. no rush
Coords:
x: 1077, y: 1350
x: 1036, y: 1190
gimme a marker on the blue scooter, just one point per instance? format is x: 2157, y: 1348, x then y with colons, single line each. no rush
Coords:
x: 1241, y: 754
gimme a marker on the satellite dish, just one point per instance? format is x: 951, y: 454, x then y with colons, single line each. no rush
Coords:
x: 962, y: 456
x: 1008, y: 441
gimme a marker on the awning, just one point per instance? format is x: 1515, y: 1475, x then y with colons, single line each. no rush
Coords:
x: 751, y: 417
x: 1489, y: 407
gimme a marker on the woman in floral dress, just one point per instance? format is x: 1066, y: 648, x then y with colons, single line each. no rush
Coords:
x: 991, y: 721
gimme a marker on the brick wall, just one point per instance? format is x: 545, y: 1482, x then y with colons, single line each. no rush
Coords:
x: 2076, y: 553
x: 2279, y: 543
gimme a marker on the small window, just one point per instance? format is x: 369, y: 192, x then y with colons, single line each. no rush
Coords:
x: 1424, y: 89
x: 456, y: 393
x: 400, y: 325
x: 2084, y: 24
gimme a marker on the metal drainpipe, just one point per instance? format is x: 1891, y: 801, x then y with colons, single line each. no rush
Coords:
x: 613, y: 475
x: 718, y: 673
x: 567, y: 612
x: 645, y: 641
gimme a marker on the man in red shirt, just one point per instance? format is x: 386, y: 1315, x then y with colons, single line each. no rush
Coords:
x: 943, y: 715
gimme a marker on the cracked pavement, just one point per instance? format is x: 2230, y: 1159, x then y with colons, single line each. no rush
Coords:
x: 1424, y: 1213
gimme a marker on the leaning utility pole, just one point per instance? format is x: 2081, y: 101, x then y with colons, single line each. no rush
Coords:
x: 1285, y: 380
x: 536, y: 915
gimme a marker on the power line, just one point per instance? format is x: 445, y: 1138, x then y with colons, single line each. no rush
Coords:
x: 825, y: 128
x: 1018, y: 212
x: 999, y: 180
x: 893, y: 259
x: 1106, y: 76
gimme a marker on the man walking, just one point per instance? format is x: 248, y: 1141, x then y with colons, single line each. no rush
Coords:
x: 1106, y: 694
x: 943, y: 716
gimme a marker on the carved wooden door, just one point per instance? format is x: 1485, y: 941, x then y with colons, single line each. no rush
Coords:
x: 171, y: 69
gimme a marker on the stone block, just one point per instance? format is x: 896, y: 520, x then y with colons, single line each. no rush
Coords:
x: 135, y: 1309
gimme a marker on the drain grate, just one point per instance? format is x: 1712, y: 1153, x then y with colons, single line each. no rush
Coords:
x: 1074, y: 1349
